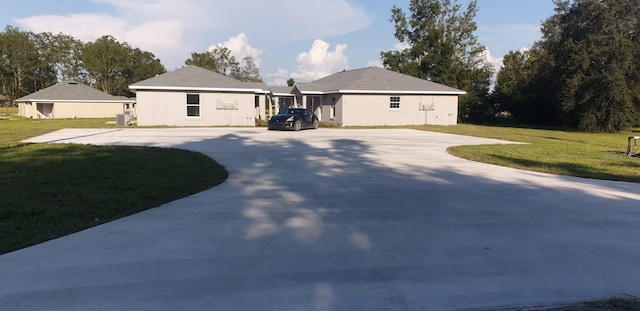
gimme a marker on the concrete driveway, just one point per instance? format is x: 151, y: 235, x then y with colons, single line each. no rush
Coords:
x: 340, y: 220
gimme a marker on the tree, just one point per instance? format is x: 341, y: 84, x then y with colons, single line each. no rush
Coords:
x: 113, y: 66
x: 22, y: 68
x: 105, y: 60
x: 291, y: 82
x: 594, y: 55
x: 221, y: 61
x: 218, y: 60
x: 441, y: 48
x: 246, y: 71
x: 63, y: 53
x: 140, y: 65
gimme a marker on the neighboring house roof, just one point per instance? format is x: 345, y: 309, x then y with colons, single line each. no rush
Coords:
x: 374, y: 80
x: 281, y: 90
x: 194, y: 78
x: 71, y: 91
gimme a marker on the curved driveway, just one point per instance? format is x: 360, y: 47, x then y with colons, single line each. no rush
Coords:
x: 339, y: 219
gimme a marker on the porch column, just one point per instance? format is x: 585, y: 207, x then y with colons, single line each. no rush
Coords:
x: 261, y: 107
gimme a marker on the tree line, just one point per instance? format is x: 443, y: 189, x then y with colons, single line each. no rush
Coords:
x: 582, y: 73
x: 33, y: 61
x: 30, y: 62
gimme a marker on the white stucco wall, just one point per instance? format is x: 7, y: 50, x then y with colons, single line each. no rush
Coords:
x: 372, y: 110
x: 86, y: 110
x: 169, y: 108
x: 68, y: 110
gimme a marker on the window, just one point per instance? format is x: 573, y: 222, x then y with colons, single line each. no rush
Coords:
x: 193, y: 105
x: 394, y: 103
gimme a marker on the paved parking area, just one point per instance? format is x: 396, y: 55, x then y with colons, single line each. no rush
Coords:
x: 339, y: 219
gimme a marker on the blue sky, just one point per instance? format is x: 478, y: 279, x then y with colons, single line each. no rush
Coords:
x: 300, y: 39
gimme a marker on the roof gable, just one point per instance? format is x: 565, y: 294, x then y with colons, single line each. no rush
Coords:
x: 72, y: 91
x: 196, y: 78
x: 374, y: 79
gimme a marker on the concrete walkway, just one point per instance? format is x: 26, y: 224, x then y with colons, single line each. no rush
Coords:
x: 340, y: 220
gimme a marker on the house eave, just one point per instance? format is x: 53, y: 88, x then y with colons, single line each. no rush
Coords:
x: 384, y: 92
x: 196, y: 89
x: 53, y: 101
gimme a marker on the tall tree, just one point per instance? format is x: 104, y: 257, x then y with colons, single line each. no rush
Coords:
x: 113, y: 66
x: 140, y: 65
x: 441, y: 47
x: 22, y: 68
x: 221, y: 61
x: 594, y: 56
x: 218, y: 60
x: 105, y: 60
x: 63, y: 53
x: 291, y: 82
x: 246, y: 71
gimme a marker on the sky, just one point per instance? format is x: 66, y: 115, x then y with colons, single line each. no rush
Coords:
x: 300, y: 39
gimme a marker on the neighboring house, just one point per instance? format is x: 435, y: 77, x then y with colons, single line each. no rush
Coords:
x: 376, y: 96
x: 194, y: 96
x: 70, y: 99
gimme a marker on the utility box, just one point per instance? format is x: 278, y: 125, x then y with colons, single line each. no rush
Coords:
x: 120, y: 119
x: 631, y: 150
x: 123, y: 119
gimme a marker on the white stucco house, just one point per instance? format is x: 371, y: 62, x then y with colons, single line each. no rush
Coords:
x: 194, y: 96
x: 375, y: 96
x: 70, y: 99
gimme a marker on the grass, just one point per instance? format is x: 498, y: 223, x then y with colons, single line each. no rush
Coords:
x: 590, y: 155
x: 51, y: 190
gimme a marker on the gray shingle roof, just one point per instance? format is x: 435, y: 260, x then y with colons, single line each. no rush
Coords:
x: 374, y: 79
x: 258, y: 85
x: 196, y: 78
x: 72, y: 91
x: 281, y: 89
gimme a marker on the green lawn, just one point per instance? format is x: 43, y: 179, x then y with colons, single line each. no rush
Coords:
x: 51, y: 190
x: 591, y: 155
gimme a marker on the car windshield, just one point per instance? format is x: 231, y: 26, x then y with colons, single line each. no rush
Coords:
x: 292, y: 111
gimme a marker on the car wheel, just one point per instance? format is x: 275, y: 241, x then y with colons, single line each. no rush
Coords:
x: 315, y: 124
x: 297, y: 126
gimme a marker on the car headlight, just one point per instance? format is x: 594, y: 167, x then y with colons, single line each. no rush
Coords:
x: 289, y: 119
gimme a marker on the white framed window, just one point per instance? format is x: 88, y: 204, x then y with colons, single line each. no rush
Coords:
x: 394, y: 103
x: 193, y: 105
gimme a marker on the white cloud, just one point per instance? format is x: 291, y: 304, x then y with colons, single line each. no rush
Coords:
x: 502, y: 38
x: 319, y: 61
x: 240, y: 47
x: 280, y: 77
x: 495, y: 61
x: 173, y: 29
